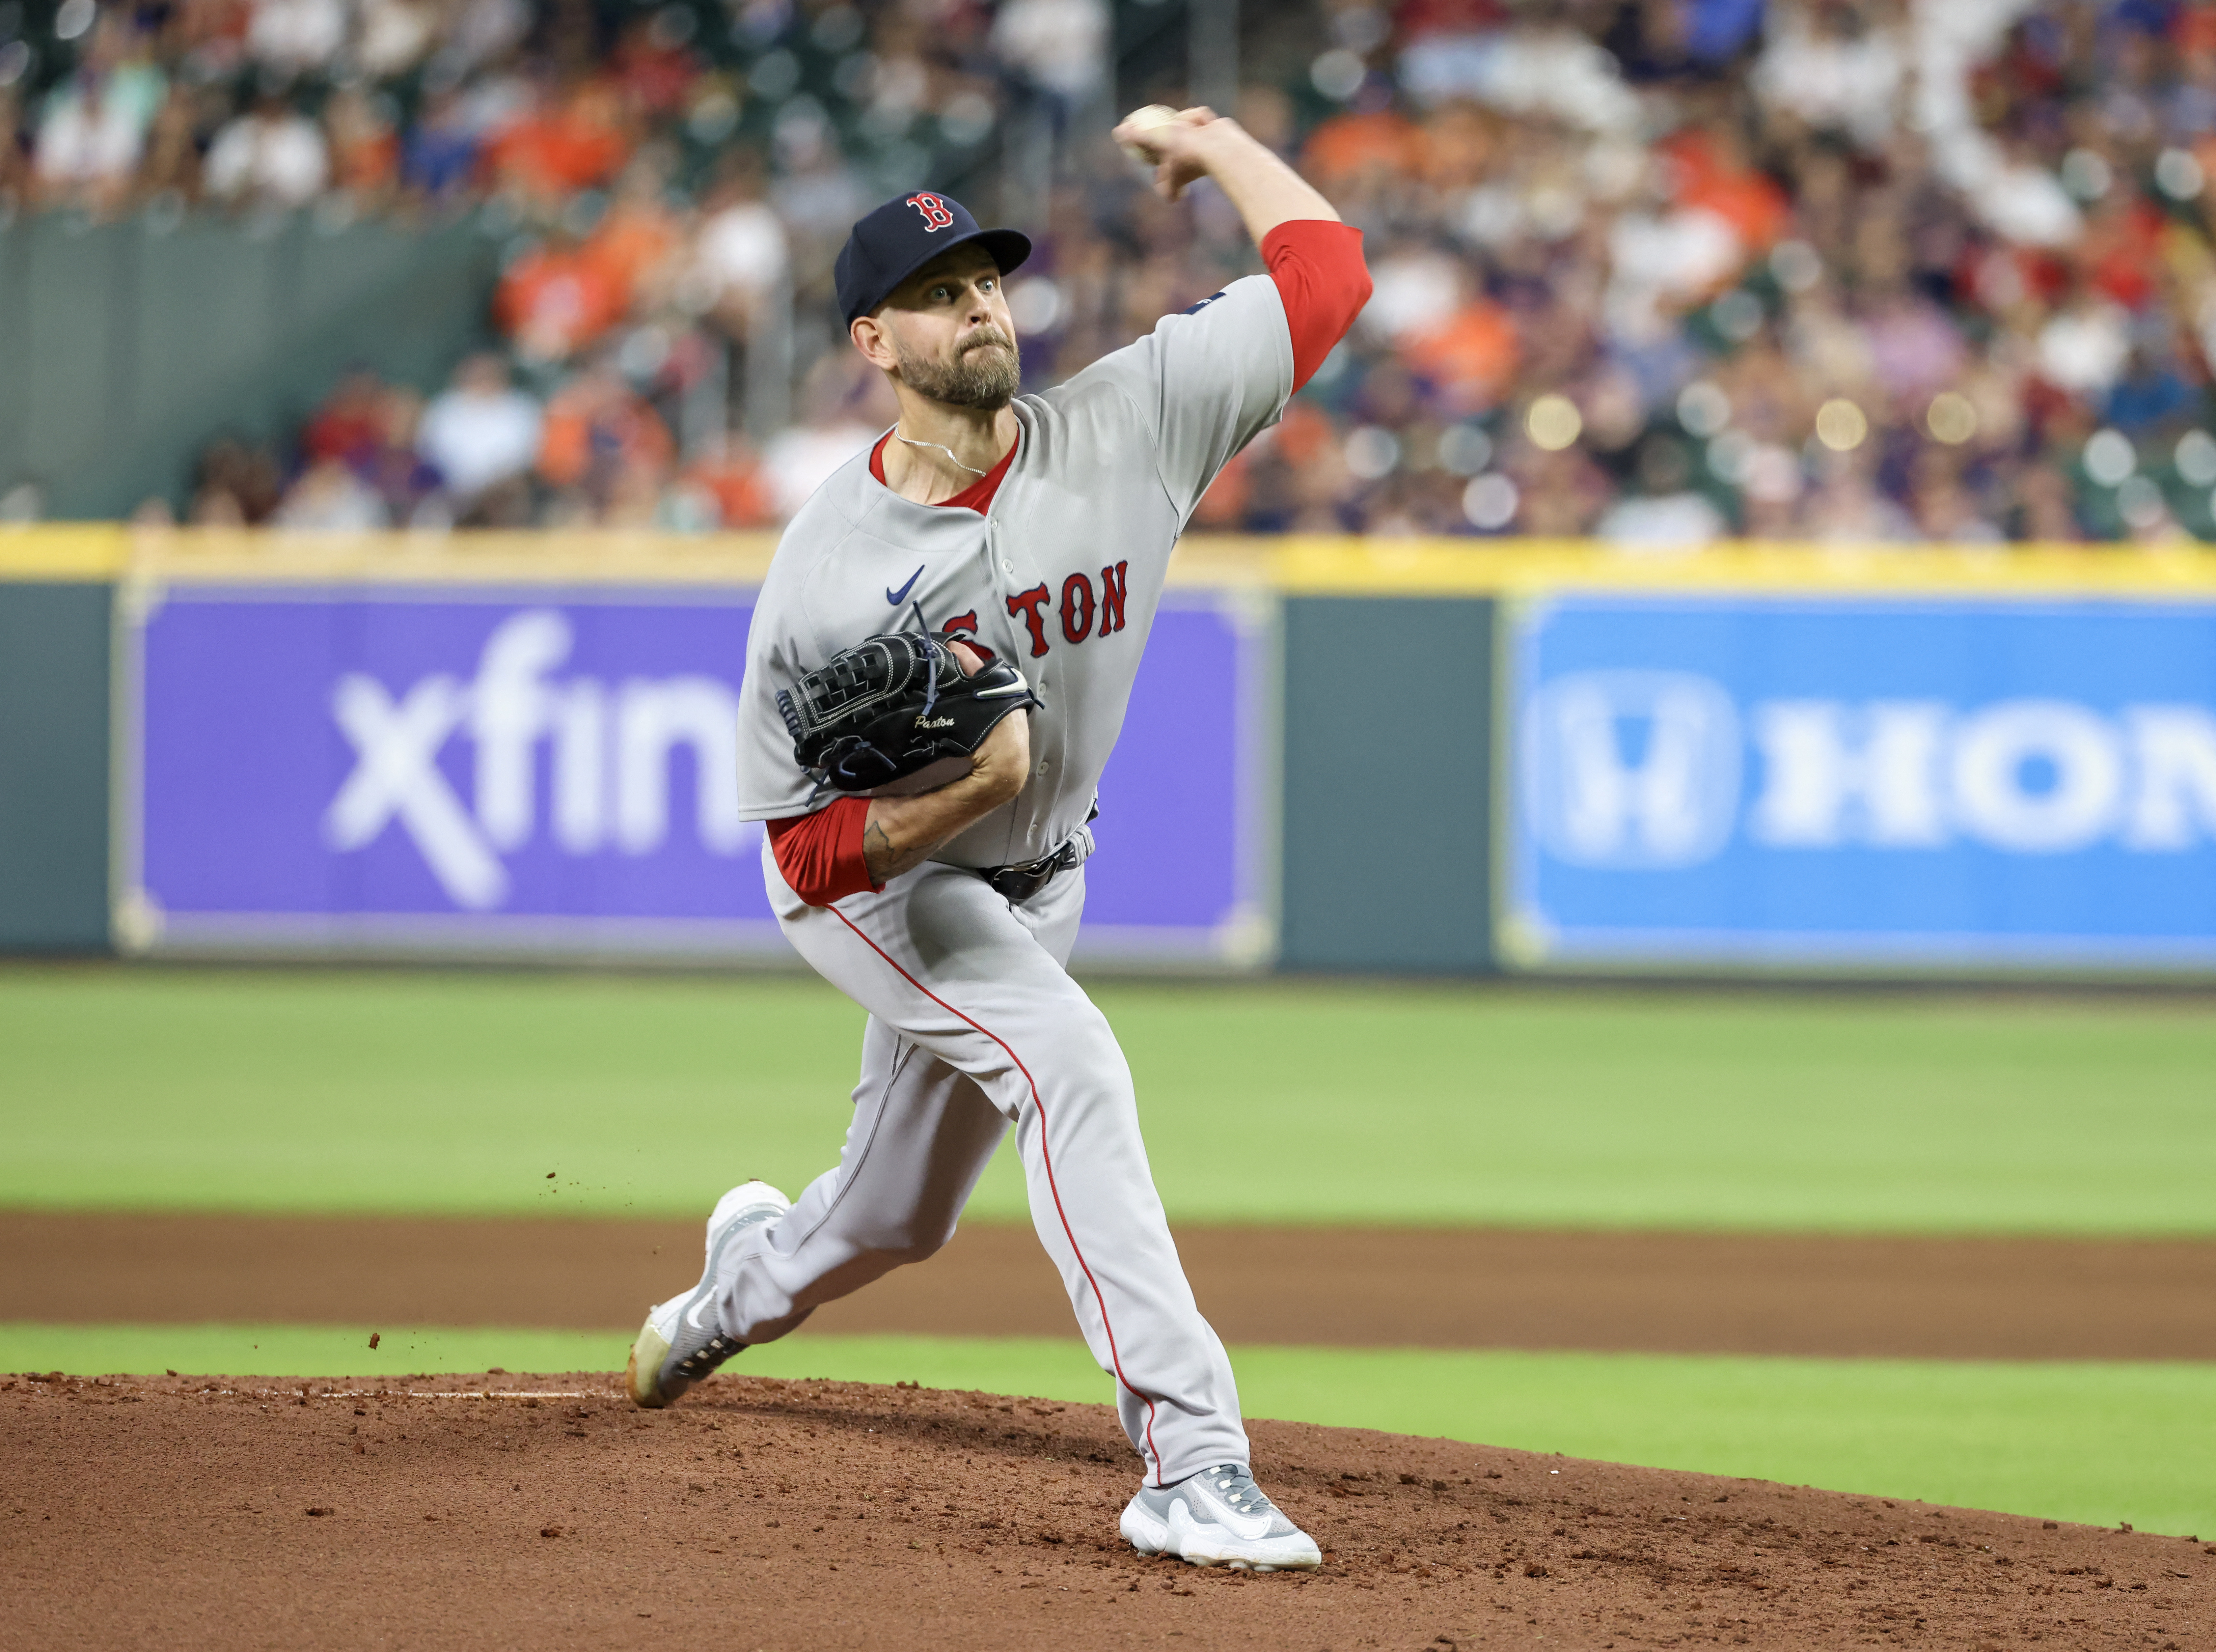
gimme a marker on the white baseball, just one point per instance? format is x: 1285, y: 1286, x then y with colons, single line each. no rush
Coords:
x: 1154, y: 115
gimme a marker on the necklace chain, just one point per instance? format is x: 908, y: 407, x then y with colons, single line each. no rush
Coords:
x: 949, y: 451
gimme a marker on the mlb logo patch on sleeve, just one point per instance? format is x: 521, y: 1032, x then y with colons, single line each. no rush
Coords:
x: 1194, y: 310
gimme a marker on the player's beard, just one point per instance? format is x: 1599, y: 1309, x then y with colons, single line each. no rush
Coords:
x: 986, y: 373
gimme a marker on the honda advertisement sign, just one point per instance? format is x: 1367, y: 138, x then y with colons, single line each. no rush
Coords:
x: 509, y: 771
x: 1822, y: 782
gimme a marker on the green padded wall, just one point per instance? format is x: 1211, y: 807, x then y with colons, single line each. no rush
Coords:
x: 1387, y: 826
x: 126, y: 347
x: 54, y: 643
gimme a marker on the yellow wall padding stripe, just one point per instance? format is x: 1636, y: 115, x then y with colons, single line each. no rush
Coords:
x: 64, y: 550
x: 1449, y: 567
x: 1293, y: 564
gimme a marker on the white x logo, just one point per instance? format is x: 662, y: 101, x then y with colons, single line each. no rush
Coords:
x: 396, y: 776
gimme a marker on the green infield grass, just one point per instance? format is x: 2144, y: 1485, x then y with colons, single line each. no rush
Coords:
x: 2097, y: 1443
x: 453, y: 1091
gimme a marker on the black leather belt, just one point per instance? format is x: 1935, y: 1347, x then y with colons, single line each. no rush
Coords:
x: 1019, y: 883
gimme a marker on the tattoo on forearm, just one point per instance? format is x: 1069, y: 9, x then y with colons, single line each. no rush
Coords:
x: 878, y: 852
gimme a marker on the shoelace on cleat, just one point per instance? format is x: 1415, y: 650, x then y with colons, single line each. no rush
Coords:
x: 719, y: 1347
x: 1242, y: 1493
x: 708, y: 1356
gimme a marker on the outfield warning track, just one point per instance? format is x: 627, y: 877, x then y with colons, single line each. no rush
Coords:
x: 1811, y: 1295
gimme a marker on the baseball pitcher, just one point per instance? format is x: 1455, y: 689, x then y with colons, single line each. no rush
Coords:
x: 937, y: 671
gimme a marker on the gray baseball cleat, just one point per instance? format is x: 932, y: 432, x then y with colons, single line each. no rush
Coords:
x: 681, y: 1341
x: 1218, y: 1517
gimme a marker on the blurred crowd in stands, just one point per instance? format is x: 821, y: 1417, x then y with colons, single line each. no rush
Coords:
x: 1659, y: 270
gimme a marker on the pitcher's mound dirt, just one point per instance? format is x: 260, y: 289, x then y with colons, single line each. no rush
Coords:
x: 544, y: 1512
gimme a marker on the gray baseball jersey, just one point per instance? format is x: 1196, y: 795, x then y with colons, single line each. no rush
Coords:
x: 1061, y: 577
x: 975, y: 1022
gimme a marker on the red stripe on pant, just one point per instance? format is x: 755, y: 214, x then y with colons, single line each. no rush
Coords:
x: 1045, y: 1154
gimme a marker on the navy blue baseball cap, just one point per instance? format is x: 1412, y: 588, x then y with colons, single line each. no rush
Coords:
x: 899, y: 239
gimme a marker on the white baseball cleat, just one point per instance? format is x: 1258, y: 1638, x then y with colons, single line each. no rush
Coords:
x: 1218, y: 1517
x: 681, y: 1341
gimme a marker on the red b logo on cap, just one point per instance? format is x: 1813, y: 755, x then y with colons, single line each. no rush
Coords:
x: 935, y: 215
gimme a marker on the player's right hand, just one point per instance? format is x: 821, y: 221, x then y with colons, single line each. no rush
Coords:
x: 1006, y: 754
x: 1179, y: 149
x: 1003, y: 763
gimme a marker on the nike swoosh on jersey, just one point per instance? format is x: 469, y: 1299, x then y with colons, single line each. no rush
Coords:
x: 896, y: 598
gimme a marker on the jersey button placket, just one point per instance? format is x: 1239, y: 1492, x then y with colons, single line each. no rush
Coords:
x: 1015, y: 581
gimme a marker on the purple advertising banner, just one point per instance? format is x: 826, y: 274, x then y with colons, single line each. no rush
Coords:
x: 500, y: 770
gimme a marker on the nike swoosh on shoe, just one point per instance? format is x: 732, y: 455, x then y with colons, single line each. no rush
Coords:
x: 1252, y: 1527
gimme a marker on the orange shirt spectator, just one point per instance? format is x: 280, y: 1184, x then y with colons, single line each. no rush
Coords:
x: 1304, y: 434
x: 1721, y: 182
x: 2121, y: 250
x: 364, y: 148
x: 2193, y: 31
x: 555, y: 299
x: 1303, y: 438
x: 734, y: 479
x: 1471, y: 358
x: 1458, y: 141
x: 637, y: 234
x: 1749, y: 203
x: 565, y: 145
x: 1223, y: 506
x: 368, y: 166
x: 598, y: 432
x: 1349, y: 144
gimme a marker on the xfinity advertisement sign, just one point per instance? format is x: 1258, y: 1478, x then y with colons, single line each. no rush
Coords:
x: 612, y: 761
x: 515, y: 772
x: 1816, y: 781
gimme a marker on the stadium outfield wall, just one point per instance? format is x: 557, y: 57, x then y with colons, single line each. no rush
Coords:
x: 1404, y: 757
x: 133, y: 344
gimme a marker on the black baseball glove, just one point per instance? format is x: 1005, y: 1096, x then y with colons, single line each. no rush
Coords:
x: 895, y: 714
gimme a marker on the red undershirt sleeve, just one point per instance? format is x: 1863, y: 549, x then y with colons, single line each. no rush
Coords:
x: 820, y: 855
x: 1319, y: 269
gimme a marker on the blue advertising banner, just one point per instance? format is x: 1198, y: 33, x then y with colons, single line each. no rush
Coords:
x: 504, y: 770
x: 1822, y: 782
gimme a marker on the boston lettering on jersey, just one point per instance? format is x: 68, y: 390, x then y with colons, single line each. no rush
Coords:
x: 1081, y: 601
x: 1080, y: 604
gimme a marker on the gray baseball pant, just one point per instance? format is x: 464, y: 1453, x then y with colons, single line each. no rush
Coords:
x: 974, y: 1024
